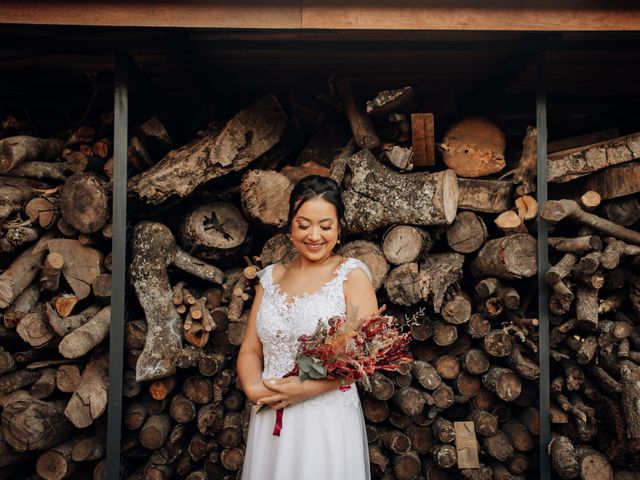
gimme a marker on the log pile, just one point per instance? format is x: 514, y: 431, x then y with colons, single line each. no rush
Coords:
x: 594, y: 283
x: 447, y: 228
x: 55, y: 293
x: 467, y: 274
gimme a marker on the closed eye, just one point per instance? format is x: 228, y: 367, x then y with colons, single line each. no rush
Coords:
x: 304, y: 227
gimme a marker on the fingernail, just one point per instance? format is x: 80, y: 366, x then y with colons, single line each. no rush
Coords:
x: 272, y: 381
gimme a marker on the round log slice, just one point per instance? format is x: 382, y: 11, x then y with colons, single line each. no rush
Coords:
x: 474, y: 148
x: 215, y: 230
x: 85, y: 202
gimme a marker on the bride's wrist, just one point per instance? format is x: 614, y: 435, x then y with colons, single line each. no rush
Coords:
x: 313, y: 388
x: 309, y: 389
x: 256, y: 391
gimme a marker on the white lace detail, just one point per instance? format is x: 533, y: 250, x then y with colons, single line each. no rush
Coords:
x: 279, y: 324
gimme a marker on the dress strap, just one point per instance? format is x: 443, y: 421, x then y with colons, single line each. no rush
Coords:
x: 351, y: 264
x: 266, y: 276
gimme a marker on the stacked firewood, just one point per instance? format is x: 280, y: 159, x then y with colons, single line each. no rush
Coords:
x: 444, y: 246
x: 594, y: 302
x: 448, y: 231
x: 55, y: 292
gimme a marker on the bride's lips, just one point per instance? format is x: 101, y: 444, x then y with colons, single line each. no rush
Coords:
x: 314, y: 246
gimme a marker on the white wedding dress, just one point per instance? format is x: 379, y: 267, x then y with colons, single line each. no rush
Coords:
x: 324, y: 437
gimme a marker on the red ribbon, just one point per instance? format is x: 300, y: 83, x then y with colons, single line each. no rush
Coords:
x: 278, y: 426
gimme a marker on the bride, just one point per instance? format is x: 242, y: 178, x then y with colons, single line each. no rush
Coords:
x: 323, y: 432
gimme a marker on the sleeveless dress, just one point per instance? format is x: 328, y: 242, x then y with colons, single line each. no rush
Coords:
x: 323, y: 437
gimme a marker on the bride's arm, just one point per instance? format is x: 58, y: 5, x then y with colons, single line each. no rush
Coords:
x: 249, y: 363
x: 360, y: 297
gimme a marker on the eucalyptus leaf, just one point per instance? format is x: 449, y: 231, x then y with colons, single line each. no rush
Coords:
x: 304, y: 363
x: 310, y: 368
x: 318, y: 368
x: 316, y: 375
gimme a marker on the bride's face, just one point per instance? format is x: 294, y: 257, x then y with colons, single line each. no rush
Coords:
x: 315, y: 229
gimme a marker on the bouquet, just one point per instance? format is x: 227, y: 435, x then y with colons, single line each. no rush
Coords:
x: 339, y: 349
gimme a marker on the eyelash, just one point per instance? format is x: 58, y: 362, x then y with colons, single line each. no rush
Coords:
x: 326, y: 229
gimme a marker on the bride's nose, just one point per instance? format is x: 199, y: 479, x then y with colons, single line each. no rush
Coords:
x: 314, y: 234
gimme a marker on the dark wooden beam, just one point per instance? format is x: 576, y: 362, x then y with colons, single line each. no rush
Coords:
x: 200, y: 76
x: 501, y: 77
x: 96, y: 41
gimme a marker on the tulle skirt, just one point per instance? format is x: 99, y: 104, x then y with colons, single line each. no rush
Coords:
x: 321, y: 438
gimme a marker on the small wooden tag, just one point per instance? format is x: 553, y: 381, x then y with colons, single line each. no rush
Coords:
x: 422, y: 138
x: 466, y: 445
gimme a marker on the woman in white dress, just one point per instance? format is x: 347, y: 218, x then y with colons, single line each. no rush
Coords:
x: 323, y: 432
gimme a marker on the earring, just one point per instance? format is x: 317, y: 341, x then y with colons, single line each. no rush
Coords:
x: 338, y: 242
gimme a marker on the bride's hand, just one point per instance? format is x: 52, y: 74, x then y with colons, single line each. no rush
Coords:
x: 287, y: 391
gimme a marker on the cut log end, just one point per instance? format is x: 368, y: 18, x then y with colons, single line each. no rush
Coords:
x: 474, y: 148
x: 450, y: 194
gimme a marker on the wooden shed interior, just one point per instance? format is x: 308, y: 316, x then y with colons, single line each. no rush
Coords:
x: 56, y: 78
x: 188, y: 75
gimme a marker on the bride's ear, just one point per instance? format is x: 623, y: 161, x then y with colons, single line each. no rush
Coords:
x: 342, y: 228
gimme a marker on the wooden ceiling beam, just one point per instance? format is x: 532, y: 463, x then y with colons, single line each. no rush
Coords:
x: 498, y: 15
x: 100, y: 41
x: 453, y: 15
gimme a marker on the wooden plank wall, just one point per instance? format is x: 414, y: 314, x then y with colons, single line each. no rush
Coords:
x: 533, y: 15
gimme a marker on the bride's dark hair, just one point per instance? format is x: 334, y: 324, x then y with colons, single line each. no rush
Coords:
x: 313, y: 186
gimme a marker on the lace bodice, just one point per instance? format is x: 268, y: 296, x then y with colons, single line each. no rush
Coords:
x: 279, y: 323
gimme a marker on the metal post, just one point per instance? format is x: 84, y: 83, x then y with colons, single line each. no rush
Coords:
x: 119, y: 221
x: 543, y: 263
